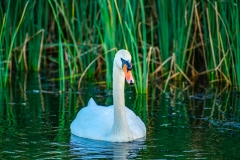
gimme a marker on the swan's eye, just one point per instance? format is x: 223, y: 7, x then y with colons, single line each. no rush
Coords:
x: 127, y: 63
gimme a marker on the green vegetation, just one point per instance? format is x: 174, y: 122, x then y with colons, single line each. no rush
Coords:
x: 168, y: 40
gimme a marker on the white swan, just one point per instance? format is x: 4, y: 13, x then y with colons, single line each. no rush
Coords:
x: 114, y: 123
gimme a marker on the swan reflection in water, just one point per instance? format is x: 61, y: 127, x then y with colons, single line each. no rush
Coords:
x: 88, y: 149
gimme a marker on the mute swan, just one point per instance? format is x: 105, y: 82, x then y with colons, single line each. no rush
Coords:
x: 114, y: 123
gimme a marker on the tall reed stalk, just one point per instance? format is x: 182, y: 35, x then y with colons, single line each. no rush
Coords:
x: 217, y: 37
x: 9, y: 49
x: 234, y: 34
x: 81, y: 38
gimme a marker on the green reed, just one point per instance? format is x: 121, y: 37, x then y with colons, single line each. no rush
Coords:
x: 218, y: 36
x: 174, y: 23
x: 30, y: 28
x: 135, y: 30
x: 81, y: 40
x: 9, y: 45
x: 140, y: 106
x: 137, y: 66
x: 108, y: 32
x: 1, y: 57
x: 234, y: 33
x: 131, y: 27
x: 163, y: 28
x: 164, y: 37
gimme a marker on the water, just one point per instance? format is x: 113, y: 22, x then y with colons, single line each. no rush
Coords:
x: 181, y: 124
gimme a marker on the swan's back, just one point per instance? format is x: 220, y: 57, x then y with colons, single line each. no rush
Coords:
x: 95, y: 122
x: 136, y: 125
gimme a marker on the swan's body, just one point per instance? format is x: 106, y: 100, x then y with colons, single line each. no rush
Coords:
x: 114, y: 123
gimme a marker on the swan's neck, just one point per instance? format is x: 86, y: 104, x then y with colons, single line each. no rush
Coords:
x: 120, y: 129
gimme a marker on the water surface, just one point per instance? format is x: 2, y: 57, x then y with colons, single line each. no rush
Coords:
x: 200, y: 123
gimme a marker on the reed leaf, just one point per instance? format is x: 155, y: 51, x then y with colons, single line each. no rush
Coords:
x: 12, y: 43
x: 165, y: 39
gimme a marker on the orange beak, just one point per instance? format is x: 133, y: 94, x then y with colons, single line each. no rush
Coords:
x: 128, y: 75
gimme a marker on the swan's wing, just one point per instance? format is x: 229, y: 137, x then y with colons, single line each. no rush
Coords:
x: 93, y: 121
x: 136, y: 125
x: 92, y: 103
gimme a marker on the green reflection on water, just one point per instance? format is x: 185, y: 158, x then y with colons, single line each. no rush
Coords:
x: 192, y: 123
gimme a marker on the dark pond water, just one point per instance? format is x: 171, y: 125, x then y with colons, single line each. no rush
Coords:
x: 181, y: 124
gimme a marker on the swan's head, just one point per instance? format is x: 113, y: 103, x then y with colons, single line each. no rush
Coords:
x: 123, y: 61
